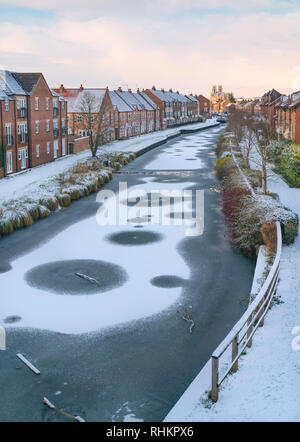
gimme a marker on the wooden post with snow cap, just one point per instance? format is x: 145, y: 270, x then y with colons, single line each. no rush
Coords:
x: 215, y: 379
x: 235, y: 352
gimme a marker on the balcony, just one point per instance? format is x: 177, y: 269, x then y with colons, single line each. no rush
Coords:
x: 55, y: 133
x: 55, y: 112
x: 22, y: 112
x: 22, y: 138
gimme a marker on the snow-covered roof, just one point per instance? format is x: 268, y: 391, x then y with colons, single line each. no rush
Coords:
x: 75, y: 102
x: 162, y: 95
x: 119, y: 103
x: 4, y: 96
x: 147, y: 104
x: 179, y: 97
x: 55, y: 94
x: 9, y: 84
x: 192, y: 98
x: 148, y: 100
x: 130, y: 99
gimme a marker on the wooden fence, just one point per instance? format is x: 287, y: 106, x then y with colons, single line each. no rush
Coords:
x: 242, y: 333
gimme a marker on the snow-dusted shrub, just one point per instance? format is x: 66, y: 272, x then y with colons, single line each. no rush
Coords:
x: 269, y: 234
x: 73, y: 191
x: 33, y: 209
x: 50, y: 202
x: 64, y: 199
x: 6, y: 226
x: 43, y: 211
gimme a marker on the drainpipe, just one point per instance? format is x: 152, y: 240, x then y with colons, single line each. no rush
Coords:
x: 29, y: 132
x: 16, y: 134
x: 2, y: 141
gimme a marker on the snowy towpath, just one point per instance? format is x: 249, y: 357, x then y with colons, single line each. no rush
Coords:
x: 24, y: 182
x: 267, y: 385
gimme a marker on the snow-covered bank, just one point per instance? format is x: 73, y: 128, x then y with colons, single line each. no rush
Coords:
x: 267, y: 384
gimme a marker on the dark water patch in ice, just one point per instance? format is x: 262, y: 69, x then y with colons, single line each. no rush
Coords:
x: 133, y: 238
x: 61, y: 277
x: 12, y: 319
x: 168, y: 281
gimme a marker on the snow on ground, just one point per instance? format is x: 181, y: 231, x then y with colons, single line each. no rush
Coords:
x: 25, y: 182
x: 267, y: 384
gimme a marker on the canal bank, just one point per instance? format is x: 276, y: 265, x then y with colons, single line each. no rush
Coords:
x: 137, y: 369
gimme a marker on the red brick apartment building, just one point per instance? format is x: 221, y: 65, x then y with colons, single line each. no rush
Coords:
x: 175, y: 108
x: 204, y: 104
x: 268, y: 102
x: 32, y: 122
x: 287, y: 117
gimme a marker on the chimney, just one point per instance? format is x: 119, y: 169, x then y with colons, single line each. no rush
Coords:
x: 177, y: 92
x: 129, y: 90
x: 81, y: 88
x: 61, y: 88
x: 162, y: 89
x: 120, y: 89
x: 153, y: 88
x: 138, y: 90
x: 170, y: 90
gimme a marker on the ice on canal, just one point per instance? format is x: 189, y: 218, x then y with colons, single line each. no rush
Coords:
x: 182, y: 155
x: 43, y: 291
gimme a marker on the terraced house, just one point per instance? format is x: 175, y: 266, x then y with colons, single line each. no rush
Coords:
x: 32, y: 122
x: 123, y: 113
x: 174, y: 107
x: 287, y: 117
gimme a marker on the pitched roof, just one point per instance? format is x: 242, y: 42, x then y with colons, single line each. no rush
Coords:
x: 9, y: 84
x: 55, y: 94
x: 27, y: 80
x: 192, y: 98
x: 147, y: 102
x: 130, y: 99
x: 76, y: 101
x: 162, y: 95
x: 119, y: 103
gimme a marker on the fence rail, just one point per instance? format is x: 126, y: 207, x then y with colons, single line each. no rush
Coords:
x: 242, y: 333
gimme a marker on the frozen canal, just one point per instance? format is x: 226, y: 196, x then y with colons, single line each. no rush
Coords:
x: 114, y: 348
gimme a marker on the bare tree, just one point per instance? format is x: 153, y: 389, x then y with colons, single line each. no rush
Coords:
x: 263, y: 138
x: 236, y: 123
x: 93, y: 112
x: 249, y: 138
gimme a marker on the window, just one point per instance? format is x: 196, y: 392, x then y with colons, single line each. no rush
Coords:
x: 8, y: 135
x: 7, y: 105
x: 47, y: 103
x: 48, y: 126
x: 48, y: 148
x: 9, y: 162
x: 26, y: 152
x: 37, y: 127
x: 79, y: 118
x: 36, y: 103
x: 92, y: 119
x: 62, y: 104
x: 38, y: 151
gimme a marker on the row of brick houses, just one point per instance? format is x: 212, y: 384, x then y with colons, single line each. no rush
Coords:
x: 33, y: 121
x: 129, y: 113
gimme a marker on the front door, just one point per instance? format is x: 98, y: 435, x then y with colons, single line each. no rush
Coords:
x: 55, y: 148
x: 23, y: 159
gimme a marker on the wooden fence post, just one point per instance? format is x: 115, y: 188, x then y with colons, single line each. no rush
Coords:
x: 249, y: 345
x: 235, y: 351
x: 215, y: 379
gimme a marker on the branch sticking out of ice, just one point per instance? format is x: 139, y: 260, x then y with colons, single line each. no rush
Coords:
x: 29, y: 365
x: 186, y: 316
x: 64, y: 413
x: 88, y: 278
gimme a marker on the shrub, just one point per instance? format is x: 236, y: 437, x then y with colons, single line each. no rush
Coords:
x: 50, y: 202
x: 73, y: 191
x: 43, y: 211
x: 224, y: 167
x: 269, y: 234
x: 64, y: 199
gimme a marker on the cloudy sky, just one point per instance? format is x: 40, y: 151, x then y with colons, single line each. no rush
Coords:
x: 189, y: 45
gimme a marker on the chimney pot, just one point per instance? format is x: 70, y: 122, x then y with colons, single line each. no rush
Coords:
x: 81, y: 88
x: 119, y: 89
